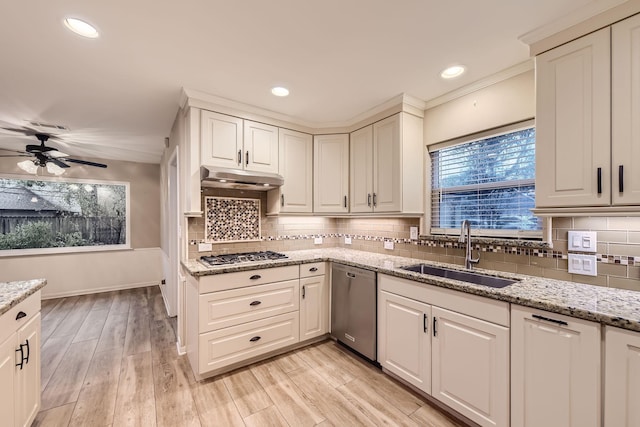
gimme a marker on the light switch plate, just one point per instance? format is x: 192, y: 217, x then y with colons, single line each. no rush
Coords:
x: 582, y: 241
x: 583, y: 264
x: 388, y: 244
x: 317, y: 241
x: 413, y: 233
x: 347, y: 240
x: 205, y: 247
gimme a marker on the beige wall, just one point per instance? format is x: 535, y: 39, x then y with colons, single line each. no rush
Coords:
x: 506, y: 102
x: 78, y: 273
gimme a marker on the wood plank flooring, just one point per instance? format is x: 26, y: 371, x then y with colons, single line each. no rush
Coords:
x: 110, y: 360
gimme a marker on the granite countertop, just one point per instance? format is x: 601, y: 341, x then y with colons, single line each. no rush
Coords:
x: 13, y: 293
x: 616, y: 307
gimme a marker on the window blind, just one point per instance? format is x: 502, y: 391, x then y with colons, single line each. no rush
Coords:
x: 490, y: 182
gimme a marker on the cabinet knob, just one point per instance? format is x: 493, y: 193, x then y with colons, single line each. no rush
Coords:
x: 20, y: 315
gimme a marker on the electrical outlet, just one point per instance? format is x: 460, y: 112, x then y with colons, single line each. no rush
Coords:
x: 413, y: 233
x: 317, y: 241
x: 388, y: 244
x: 347, y: 240
x: 205, y: 247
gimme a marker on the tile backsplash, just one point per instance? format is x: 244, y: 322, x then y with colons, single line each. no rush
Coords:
x: 618, y: 251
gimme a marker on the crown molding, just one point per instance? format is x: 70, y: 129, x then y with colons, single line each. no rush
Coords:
x: 513, y: 71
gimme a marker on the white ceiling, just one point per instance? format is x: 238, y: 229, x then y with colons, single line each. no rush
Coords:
x: 119, y: 93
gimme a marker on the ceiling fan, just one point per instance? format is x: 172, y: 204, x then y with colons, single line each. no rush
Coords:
x: 44, y: 156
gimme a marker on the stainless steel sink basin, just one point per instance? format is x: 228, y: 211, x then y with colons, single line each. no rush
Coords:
x: 463, y: 276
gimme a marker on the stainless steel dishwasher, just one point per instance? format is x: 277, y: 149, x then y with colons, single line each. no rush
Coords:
x: 354, y: 308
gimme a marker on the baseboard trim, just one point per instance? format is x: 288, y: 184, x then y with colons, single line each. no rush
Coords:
x: 99, y: 290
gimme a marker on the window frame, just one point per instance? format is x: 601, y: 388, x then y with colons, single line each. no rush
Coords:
x: 469, y: 139
x: 75, y: 249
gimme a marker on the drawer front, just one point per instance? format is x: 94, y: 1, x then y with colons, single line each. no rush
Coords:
x: 312, y: 269
x: 231, y: 345
x: 241, y: 279
x: 229, y: 308
x: 8, y: 322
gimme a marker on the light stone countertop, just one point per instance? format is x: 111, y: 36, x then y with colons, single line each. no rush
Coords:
x: 13, y: 293
x: 609, y: 306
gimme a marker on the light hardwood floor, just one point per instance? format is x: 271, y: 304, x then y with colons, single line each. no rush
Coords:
x: 110, y: 360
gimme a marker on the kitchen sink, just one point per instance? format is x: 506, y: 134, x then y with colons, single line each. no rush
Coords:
x: 463, y: 276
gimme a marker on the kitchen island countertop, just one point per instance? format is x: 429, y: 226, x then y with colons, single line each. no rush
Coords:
x: 13, y: 293
x: 609, y: 306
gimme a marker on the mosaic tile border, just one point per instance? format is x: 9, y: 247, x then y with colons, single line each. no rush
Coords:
x: 510, y: 250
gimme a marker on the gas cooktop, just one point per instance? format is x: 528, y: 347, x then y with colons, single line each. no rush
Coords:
x: 228, y: 259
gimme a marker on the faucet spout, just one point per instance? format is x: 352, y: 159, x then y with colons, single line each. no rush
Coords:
x: 465, y: 236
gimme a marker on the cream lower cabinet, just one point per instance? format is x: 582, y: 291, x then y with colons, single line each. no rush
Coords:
x: 404, y: 339
x: 20, y: 363
x: 555, y: 370
x: 622, y: 378
x: 314, y: 301
x: 460, y: 359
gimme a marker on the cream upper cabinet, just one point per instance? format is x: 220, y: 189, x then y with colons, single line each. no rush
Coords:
x: 331, y: 173
x: 622, y: 378
x: 573, y: 123
x: 555, y: 370
x: 404, y: 340
x: 387, y: 166
x: 361, y: 169
x: 470, y: 371
x: 234, y: 143
x: 260, y: 147
x: 296, y: 166
x: 625, y: 114
x: 220, y: 140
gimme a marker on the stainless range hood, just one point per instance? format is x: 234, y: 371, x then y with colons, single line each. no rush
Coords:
x: 213, y: 176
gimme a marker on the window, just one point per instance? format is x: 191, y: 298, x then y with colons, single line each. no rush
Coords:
x: 42, y: 215
x: 490, y: 181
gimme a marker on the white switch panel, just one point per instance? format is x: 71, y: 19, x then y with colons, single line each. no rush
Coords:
x: 317, y: 241
x: 347, y: 240
x: 583, y: 264
x: 413, y: 233
x: 583, y: 241
x: 388, y: 244
x: 204, y: 247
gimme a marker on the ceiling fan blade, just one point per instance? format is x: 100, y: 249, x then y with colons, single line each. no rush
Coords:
x: 14, y: 151
x: 58, y: 162
x: 55, y: 154
x: 85, y: 162
x: 16, y: 155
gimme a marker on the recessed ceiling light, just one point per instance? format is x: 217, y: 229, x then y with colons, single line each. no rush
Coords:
x: 280, y: 91
x: 81, y: 28
x: 452, y: 72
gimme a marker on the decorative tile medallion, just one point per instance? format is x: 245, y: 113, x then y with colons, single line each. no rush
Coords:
x: 229, y: 219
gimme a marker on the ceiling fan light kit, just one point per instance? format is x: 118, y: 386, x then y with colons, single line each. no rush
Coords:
x: 28, y: 166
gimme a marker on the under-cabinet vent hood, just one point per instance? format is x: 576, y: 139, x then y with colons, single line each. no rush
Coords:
x: 213, y: 176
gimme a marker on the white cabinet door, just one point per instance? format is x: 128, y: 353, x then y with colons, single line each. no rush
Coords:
x: 314, y: 307
x: 361, y: 161
x: 625, y: 104
x: 573, y: 125
x: 220, y: 140
x: 404, y: 341
x: 296, y: 166
x: 622, y: 378
x: 7, y: 380
x: 260, y: 147
x: 28, y: 378
x: 555, y: 370
x: 470, y: 371
x: 331, y: 173
x: 387, y: 163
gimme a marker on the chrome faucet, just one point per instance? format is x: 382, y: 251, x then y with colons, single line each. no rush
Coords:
x: 465, y: 235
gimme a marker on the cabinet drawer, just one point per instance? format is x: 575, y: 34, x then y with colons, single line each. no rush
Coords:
x: 312, y: 269
x: 230, y: 345
x: 8, y: 322
x: 241, y: 279
x: 229, y: 308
